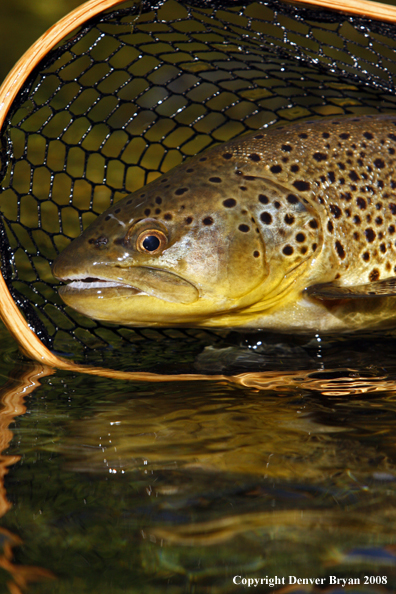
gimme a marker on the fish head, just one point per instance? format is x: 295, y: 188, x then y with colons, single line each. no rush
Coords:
x: 181, y: 251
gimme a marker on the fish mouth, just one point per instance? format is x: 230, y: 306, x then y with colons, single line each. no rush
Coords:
x: 89, y: 284
x: 135, y: 281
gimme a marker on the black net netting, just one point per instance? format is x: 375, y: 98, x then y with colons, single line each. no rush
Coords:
x: 141, y: 88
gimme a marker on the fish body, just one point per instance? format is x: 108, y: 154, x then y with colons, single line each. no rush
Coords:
x: 293, y: 229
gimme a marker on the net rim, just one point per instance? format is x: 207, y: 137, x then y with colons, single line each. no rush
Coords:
x: 10, y: 314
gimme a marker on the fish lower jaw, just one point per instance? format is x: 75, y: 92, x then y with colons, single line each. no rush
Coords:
x: 96, y: 284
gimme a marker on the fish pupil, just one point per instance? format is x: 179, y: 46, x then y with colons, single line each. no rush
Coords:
x: 151, y: 243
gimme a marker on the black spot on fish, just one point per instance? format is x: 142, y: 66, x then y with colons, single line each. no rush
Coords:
x: 374, y: 275
x: 391, y: 151
x: 341, y: 166
x: 330, y: 227
x: 313, y: 223
x: 379, y: 163
x: 158, y: 200
x: 314, y: 247
x: 244, y: 228
x: 370, y: 235
x: 303, y: 135
x: 294, y: 168
x: 335, y: 211
x: 345, y: 135
x: 215, y: 180
x: 357, y: 220
x: 275, y: 169
x: 229, y: 203
x: 147, y: 212
x: 287, y: 148
x: 129, y: 202
x: 249, y: 177
x: 368, y: 135
x: 292, y: 199
x: 254, y: 157
x: 331, y: 177
x: 227, y: 155
x: 108, y: 218
x: 263, y: 199
x: 356, y: 235
x: 378, y: 221
x: 392, y: 208
x: 354, y: 176
x: 189, y: 220
x: 157, y: 211
x: 304, y: 250
x: 168, y: 216
x: 392, y: 136
x: 320, y: 157
x: 243, y: 188
x: 325, y: 135
x: 391, y: 229
x: 190, y: 170
x: 289, y: 219
x: 181, y: 191
x: 207, y: 221
x: 266, y: 218
x: 301, y: 186
x: 361, y: 203
x: 256, y: 254
x: 277, y: 205
x: 117, y: 210
x: 288, y: 250
x: 340, y: 250
x: 300, y: 237
x: 203, y: 158
x: 163, y: 181
x: 259, y: 136
x: 383, y: 248
x: 366, y: 256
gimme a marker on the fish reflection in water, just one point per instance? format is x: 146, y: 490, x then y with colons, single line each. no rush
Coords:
x: 241, y: 476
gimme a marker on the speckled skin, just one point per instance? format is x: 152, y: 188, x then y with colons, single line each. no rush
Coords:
x: 250, y: 225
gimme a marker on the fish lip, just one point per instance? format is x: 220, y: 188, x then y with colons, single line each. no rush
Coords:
x: 153, y: 282
x: 77, y: 284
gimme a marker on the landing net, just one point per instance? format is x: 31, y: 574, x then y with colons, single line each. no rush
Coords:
x: 140, y: 88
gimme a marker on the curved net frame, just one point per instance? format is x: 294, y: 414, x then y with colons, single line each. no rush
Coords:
x: 141, y: 87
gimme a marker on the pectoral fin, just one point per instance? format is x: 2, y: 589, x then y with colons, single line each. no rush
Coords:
x: 380, y: 288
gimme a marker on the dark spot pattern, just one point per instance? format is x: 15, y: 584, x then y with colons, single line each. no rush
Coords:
x: 255, y: 157
x: 207, y: 221
x: 340, y: 249
x: 215, y: 180
x: 244, y: 228
x: 263, y: 199
x: 370, y: 234
x: 302, y: 186
x: 374, y: 275
x: 288, y: 250
x: 266, y: 218
x: 276, y: 169
x: 320, y: 157
x: 229, y: 203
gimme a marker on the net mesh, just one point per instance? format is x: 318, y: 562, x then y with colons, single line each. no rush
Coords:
x: 139, y: 89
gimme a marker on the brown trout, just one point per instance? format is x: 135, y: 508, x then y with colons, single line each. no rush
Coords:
x: 293, y: 229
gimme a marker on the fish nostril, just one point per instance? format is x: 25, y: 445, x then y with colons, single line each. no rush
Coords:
x: 99, y: 242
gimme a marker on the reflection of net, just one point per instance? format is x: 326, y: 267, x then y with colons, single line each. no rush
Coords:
x: 138, y: 90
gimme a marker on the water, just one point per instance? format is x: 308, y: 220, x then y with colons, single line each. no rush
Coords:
x: 284, y: 467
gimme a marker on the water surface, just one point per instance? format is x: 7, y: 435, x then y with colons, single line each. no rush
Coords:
x: 286, y: 467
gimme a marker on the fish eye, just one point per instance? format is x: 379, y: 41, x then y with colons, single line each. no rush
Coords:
x: 151, y: 241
